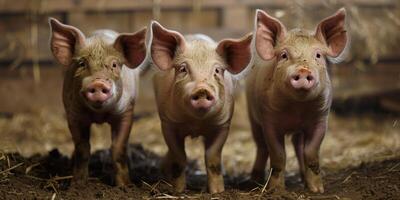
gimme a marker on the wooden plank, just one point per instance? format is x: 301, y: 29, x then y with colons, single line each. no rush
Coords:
x: 236, y: 17
x: 377, y: 79
x: 17, y: 33
x: 18, y: 6
x: 89, y: 22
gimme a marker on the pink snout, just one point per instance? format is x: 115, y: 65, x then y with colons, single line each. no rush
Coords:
x: 98, y: 91
x: 202, y: 99
x: 302, y: 79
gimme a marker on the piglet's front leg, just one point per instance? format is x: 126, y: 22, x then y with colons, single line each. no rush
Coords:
x: 121, y: 127
x: 214, y: 143
x: 174, y: 162
x: 80, y: 135
x: 313, y: 139
x: 276, y: 147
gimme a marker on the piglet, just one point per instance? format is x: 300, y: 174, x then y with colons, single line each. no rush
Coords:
x: 289, y: 91
x: 194, y: 94
x: 100, y: 86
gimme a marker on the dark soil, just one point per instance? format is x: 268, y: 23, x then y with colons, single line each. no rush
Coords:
x: 47, y: 177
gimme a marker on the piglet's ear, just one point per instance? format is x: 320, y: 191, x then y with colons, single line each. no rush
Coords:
x: 63, y: 40
x: 332, y: 32
x: 268, y: 32
x: 236, y: 53
x: 164, y: 45
x: 133, y: 47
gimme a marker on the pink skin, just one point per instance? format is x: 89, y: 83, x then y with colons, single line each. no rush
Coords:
x: 291, y: 93
x: 98, y: 88
x: 202, y: 99
x: 194, y: 94
x: 302, y: 79
x: 99, y: 91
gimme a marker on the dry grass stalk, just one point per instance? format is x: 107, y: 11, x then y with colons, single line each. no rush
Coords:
x: 11, y: 168
x: 53, y: 196
x: 29, y: 168
x: 394, y: 167
x: 348, y: 177
x: 266, y: 183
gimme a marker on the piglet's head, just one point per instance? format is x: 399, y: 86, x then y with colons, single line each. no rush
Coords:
x: 96, y: 63
x: 300, y: 55
x: 200, y: 68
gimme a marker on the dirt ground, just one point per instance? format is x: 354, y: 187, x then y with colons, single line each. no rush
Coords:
x: 47, y: 177
x: 360, y: 155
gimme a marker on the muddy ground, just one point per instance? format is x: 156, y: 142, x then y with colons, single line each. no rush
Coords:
x: 47, y: 177
x: 360, y: 155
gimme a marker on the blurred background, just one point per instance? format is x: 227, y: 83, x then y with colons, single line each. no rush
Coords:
x: 364, y: 124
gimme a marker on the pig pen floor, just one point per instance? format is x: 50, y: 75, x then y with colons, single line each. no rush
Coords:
x: 47, y: 177
x: 360, y: 155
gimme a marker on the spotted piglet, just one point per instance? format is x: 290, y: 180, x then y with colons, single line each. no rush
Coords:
x: 194, y: 93
x: 100, y: 86
x: 289, y: 91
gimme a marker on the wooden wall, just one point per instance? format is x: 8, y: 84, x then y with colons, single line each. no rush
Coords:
x: 25, y: 32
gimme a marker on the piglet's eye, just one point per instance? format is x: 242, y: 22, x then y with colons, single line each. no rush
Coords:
x: 318, y: 55
x: 284, y: 55
x: 114, y: 64
x: 82, y: 63
x: 182, y: 68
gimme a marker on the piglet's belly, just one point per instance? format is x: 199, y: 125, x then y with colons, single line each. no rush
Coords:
x: 290, y: 123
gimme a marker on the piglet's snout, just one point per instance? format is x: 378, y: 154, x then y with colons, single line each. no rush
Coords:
x: 98, y: 91
x: 303, y: 78
x: 202, y: 99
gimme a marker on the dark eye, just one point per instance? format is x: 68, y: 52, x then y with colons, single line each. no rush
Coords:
x: 82, y: 63
x: 284, y: 55
x: 219, y: 70
x: 182, y: 68
x: 318, y: 55
x: 114, y: 64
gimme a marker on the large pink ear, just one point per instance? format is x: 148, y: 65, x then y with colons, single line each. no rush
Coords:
x: 236, y: 53
x: 269, y: 31
x: 133, y: 47
x: 164, y: 45
x: 63, y: 40
x: 332, y: 32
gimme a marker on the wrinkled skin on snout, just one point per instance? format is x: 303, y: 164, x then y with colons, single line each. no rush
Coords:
x: 289, y: 91
x: 100, y: 86
x: 194, y: 93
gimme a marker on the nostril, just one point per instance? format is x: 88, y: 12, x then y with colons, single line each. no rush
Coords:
x: 210, y: 98
x: 92, y: 90
x: 296, y: 78
x: 105, y: 91
x: 310, y: 78
x: 195, y: 97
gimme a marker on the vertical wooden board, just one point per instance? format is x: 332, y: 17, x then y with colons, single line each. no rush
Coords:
x: 181, y: 20
x: 141, y: 19
x: 173, y: 19
x: 236, y: 18
x: 16, y: 30
x: 203, y: 19
x: 91, y: 21
x: 13, y: 29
